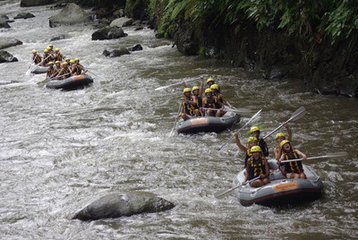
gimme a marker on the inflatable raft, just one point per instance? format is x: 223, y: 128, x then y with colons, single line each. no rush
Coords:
x: 36, y: 69
x: 280, y: 190
x: 208, y: 124
x: 71, y: 83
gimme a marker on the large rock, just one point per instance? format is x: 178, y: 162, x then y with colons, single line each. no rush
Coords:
x: 136, y: 47
x: 108, y: 33
x: 117, y: 205
x: 70, y: 15
x: 4, y: 23
x: 7, y: 57
x: 30, y: 3
x: 24, y: 15
x: 59, y: 37
x: 9, y: 42
x: 119, y: 52
x: 121, y: 22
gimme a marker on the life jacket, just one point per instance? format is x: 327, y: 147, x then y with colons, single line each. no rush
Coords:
x: 292, y: 167
x: 263, y: 146
x: 76, y: 70
x: 36, y: 58
x: 51, y: 71
x: 256, y: 167
x: 209, y: 102
x: 58, y: 57
x: 198, y: 100
x: 64, y: 73
x: 247, y: 156
x: 188, y: 108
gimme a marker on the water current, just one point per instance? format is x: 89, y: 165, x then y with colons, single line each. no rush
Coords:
x: 61, y: 150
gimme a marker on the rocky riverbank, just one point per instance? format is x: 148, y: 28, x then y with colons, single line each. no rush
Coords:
x: 272, y: 50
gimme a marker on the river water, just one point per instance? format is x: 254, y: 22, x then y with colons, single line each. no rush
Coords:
x: 61, y: 150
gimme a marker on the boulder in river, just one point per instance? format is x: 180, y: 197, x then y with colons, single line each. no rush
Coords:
x: 108, y: 33
x: 7, y: 57
x: 59, y: 37
x: 9, y: 42
x: 136, y: 47
x: 70, y: 15
x: 30, y: 3
x: 121, y: 22
x: 119, y: 52
x: 24, y: 15
x: 123, y: 204
x: 4, y: 23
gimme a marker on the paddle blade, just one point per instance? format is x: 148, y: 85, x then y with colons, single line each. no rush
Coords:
x: 220, y: 194
x: 299, y: 113
x: 337, y: 154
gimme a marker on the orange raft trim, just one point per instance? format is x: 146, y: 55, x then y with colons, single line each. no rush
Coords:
x: 286, y: 186
x: 199, y: 121
x: 78, y: 77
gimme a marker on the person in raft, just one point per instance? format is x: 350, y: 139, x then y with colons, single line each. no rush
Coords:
x: 36, y: 58
x: 251, y: 141
x: 291, y: 169
x: 279, y: 138
x: 257, y: 166
x: 210, y: 82
x: 255, y: 132
x: 210, y: 103
x: 187, y: 106
x: 197, y: 99
x: 51, y: 71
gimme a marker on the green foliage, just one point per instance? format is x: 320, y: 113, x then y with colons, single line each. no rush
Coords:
x: 309, y: 20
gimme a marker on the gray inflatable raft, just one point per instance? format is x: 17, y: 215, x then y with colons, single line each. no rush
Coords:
x: 71, y: 83
x: 208, y: 124
x: 280, y: 190
x: 36, y: 69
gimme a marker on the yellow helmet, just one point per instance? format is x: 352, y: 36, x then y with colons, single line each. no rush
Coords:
x: 50, y: 45
x: 57, y: 49
x: 72, y: 61
x: 34, y: 51
x: 186, y: 90
x: 77, y: 59
x: 210, y: 79
x: 283, y: 143
x: 46, y: 50
x: 195, y: 88
x: 208, y: 90
x: 252, y: 139
x: 254, y: 129
x: 214, y: 86
x: 50, y: 63
x: 58, y: 62
x: 255, y: 149
x: 278, y: 135
x: 65, y: 63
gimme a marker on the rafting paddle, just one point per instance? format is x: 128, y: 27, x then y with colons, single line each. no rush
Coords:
x: 329, y: 155
x: 250, y: 120
x: 300, y: 112
x: 219, y: 194
x: 174, y: 84
x: 175, y: 123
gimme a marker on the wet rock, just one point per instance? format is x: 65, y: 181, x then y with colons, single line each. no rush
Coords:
x: 117, y: 205
x: 24, y: 15
x: 4, y: 16
x: 9, y: 42
x: 30, y: 3
x: 139, y: 28
x: 7, y: 57
x: 137, y: 47
x: 70, y: 15
x: 136, y: 9
x: 106, y: 53
x: 108, y: 33
x: 59, y: 37
x: 121, y: 22
x: 118, y: 13
x: 119, y: 52
x: 4, y: 23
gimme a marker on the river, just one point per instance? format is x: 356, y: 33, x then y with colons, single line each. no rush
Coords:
x: 61, y: 150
